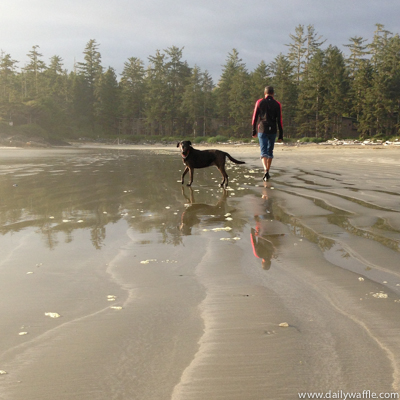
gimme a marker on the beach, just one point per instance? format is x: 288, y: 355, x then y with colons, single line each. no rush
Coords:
x: 118, y: 282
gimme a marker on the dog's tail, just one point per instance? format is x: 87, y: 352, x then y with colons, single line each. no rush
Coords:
x: 233, y: 159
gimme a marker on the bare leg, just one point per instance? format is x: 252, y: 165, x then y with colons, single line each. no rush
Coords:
x: 269, y: 162
x: 264, y: 161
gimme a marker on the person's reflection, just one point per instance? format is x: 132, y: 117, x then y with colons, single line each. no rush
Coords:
x: 198, y: 212
x: 262, y: 239
x: 262, y: 248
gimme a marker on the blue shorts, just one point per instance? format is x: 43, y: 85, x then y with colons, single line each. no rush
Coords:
x: 267, y: 142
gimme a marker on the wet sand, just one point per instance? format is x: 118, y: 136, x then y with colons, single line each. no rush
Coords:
x: 166, y: 292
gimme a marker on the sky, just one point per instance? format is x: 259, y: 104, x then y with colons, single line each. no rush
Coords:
x: 207, y: 30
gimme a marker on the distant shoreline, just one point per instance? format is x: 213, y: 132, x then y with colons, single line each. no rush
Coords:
x: 330, y: 144
x: 239, y: 145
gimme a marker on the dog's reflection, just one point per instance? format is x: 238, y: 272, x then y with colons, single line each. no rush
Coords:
x: 201, y: 212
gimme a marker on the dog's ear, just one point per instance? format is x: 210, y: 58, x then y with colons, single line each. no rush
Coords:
x: 178, y: 144
x: 189, y: 142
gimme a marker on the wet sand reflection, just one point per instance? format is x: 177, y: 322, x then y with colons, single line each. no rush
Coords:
x: 192, y: 311
x: 264, y: 236
x: 207, y: 214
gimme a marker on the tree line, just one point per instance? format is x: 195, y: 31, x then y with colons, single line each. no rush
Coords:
x: 317, y: 87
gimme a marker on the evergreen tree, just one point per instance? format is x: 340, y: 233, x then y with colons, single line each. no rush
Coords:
x: 31, y: 110
x: 192, y: 100
x: 393, y: 79
x: 311, y: 97
x: 336, y: 88
x: 56, y: 80
x: 284, y: 83
x: 106, y: 106
x: 232, y: 66
x: 132, y: 92
x: 297, y: 52
x: 259, y: 79
x: 55, y: 101
x: 358, y: 67
x: 239, y: 100
x: 360, y: 97
x: 384, y: 94
x: 91, y: 71
x: 156, y: 97
x: 33, y: 72
x: 358, y: 53
x: 177, y: 72
x: 80, y: 108
x: 313, y: 42
x: 302, y: 49
x: 379, y: 42
x: 208, y: 96
x: 8, y: 88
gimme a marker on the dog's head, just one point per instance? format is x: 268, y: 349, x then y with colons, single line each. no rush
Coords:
x: 184, y: 147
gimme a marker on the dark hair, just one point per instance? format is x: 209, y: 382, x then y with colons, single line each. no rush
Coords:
x: 269, y: 90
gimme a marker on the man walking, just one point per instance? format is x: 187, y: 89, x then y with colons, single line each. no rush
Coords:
x: 267, y: 117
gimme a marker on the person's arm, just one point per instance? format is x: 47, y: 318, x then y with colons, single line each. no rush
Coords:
x: 254, y: 242
x: 254, y: 121
x: 280, y: 126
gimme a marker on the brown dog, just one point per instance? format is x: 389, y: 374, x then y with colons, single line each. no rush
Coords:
x: 194, y: 158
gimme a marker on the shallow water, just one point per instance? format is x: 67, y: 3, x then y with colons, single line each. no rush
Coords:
x: 83, y: 231
x: 160, y: 287
x: 66, y: 194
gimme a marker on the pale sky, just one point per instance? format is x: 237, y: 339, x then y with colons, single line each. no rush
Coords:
x: 207, y: 29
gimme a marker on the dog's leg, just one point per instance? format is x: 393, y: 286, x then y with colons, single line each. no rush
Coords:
x: 183, y: 175
x: 191, y: 196
x: 225, y: 181
x: 191, y: 172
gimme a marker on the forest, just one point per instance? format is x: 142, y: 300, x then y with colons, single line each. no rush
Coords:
x: 320, y: 90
